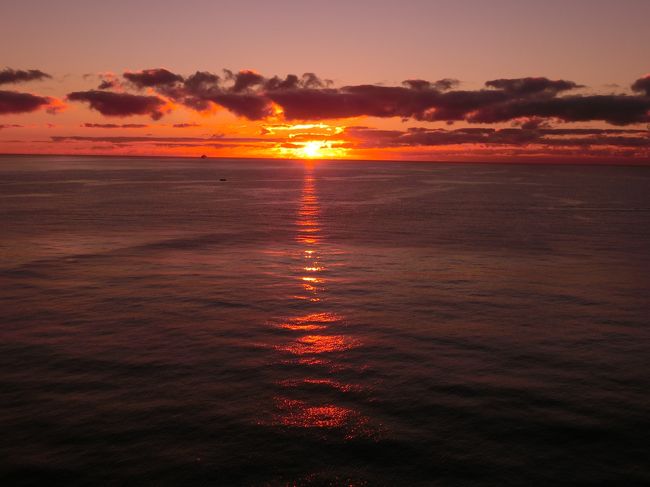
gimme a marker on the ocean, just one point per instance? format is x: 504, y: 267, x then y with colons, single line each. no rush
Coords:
x: 262, y: 323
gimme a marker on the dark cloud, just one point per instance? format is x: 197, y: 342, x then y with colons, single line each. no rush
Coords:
x: 201, y: 81
x: 642, y: 85
x: 550, y: 138
x: 147, y: 139
x: 15, y: 102
x: 115, y: 125
x: 200, y: 84
x: 310, y: 80
x: 243, y: 93
x: 532, y: 86
x: 123, y: 139
x: 506, y: 100
x: 120, y: 104
x: 288, y: 83
x: 251, y: 106
x: 614, y: 109
x: 246, y: 79
x: 185, y: 125
x: 441, y: 85
x: 446, y: 84
x: 107, y: 84
x: 416, y: 100
x: 418, y: 84
x: 353, y: 101
x: 9, y: 75
x: 152, y: 77
x: 10, y: 126
x: 291, y: 81
x: 457, y: 105
x: 532, y: 123
x: 195, y: 89
x: 529, y: 102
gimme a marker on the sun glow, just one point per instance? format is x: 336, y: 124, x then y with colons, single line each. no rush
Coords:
x: 308, y: 140
x: 311, y: 149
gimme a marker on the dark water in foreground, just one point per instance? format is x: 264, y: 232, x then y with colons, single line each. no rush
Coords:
x: 323, y: 324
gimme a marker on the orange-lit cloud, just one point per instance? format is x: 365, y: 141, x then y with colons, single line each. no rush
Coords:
x: 307, y: 117
x: 14, y: 102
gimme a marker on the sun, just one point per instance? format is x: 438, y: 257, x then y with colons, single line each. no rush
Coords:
x: 312, y: 149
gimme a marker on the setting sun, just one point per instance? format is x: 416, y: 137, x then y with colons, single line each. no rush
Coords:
x: 312, y: 149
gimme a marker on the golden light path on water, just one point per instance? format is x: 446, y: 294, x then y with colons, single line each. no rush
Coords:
x: 317, y: 338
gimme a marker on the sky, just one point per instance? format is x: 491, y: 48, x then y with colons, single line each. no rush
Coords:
x: 556, y: 81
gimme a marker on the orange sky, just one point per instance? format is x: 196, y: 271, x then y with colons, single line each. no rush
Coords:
x: 86, y: 78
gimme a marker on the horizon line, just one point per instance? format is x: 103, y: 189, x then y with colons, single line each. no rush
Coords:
x: 520, y: 162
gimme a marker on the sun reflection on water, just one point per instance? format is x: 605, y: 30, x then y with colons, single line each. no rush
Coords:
x: 318, y: 341
x: 313, y: 344
x: 299, y: 414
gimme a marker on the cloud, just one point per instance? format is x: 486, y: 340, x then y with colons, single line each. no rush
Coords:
x: 120, y: 104
x: 446, y: 84
x: 152, y: 77
x: 418, y: 99
x: 107, y: 84
x: 242, y: 93
x: 531, y: 123
x: 363, y: 137
x: 188, y: 141
x: 532, y: 86
x: 613, y: 109
x: 194, y: 90
x: 531, y: 100
x: 441, y: 84
x: 122, y: 139
x: 10, y: 126
x: 108, y: 80
x: 291, y: 81
x: 15, y: 102
x: 200, y: 83
x: 9, y: 75
x: 606, y: 144
x: 246, y: 79
x: 251, y: 106
x: 310, y: 80
x: 504, y: 100
x: 352, y: 101
x: 642, y: 85
x: 185, y: 125
x: 115, y: 126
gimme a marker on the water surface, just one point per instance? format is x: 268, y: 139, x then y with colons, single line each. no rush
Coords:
x: 325, y: 323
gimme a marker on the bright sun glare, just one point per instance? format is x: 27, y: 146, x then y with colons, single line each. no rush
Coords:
x: 311, y: 149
